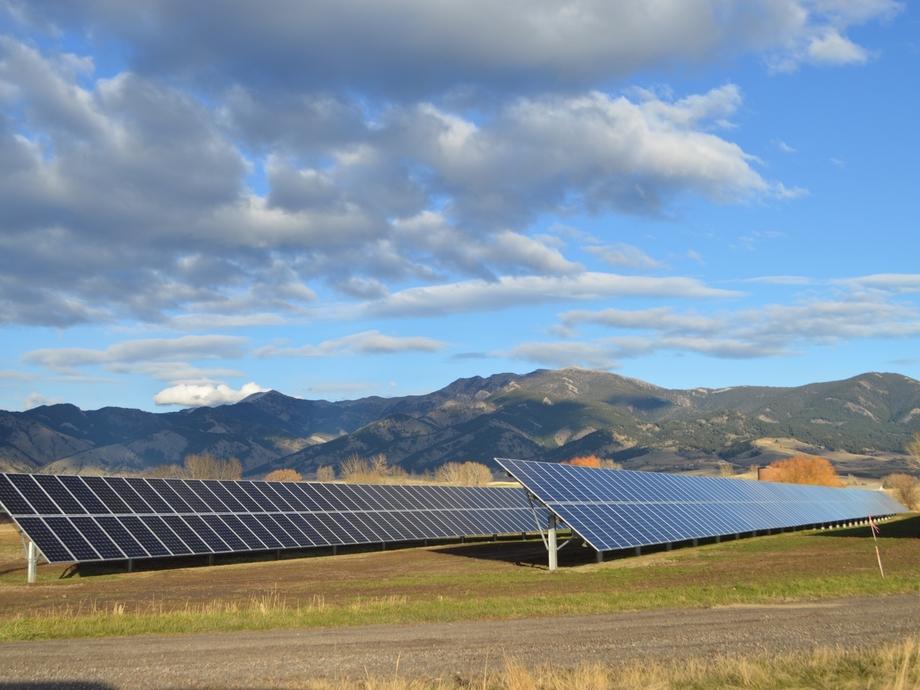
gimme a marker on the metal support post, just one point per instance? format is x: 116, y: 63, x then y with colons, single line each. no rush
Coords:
x: 551, y: 543
x: 130, y: 565
x: 637, y: 550
x: 668, y: 546
x: 599, y: 557
x: 31, y: 563
x: 335, y: 549
x: 718, y: 539
x: 210, y: 559
x: 695, y: 542
x: 383, y: 546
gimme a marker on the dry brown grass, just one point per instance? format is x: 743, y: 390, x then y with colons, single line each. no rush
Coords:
x: 889, y: 667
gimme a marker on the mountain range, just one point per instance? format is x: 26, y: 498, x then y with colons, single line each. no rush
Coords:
x: 862, y: 424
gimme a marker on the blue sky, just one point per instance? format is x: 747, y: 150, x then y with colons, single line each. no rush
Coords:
x: 350, y: 198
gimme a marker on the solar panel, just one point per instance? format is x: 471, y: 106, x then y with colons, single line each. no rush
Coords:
x: 79, y: 519
x: 616, y: 509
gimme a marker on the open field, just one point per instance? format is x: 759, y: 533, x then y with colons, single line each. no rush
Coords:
x: 751, y: 613
x: 501, y: 580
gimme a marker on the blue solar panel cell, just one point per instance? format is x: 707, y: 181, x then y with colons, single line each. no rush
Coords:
x: 59, y: 494
x: 168, y: 536
x: 186, y: 534
x: 98, y: 539
x: 118, y: 534
x: 168, y: 494
x: 195, y: 504
x: 150, y: 497
x: 106, y: 494
x: 205, y: 533
x: 125, y: 491
x: 34, y: 494
x: 258, y: 529
x: 12, y: 500
x: 44, y: 538
x: 142, y: 533
x: 72, y: 539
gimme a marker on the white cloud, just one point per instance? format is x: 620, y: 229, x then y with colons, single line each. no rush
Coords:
x: 887, y: 282
x: 364, y: 343
x: 593, y: 355
x: 513, y: 45
x: 625, y: 255
x: 780, y: 280
x: 36, y: 399
x: 784, y: 147
x: 833, y: 49
x: 133, y: 352
x: 509, y: 291
x: 204, y: 395
x: 658, y: 319
x: 769, y: 331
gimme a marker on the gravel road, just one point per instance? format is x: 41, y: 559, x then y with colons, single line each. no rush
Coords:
x: 263, y: 659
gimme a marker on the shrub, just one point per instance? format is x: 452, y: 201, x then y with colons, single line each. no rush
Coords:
x: 803, y: 469
x: 592, y: 461
x: 165, y: 472
x: 463, y: 473
x: 284, y: 475
x: 324, y: 473
x: 905, y: 489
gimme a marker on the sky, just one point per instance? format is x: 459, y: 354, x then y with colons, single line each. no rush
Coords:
x: 343, y: 198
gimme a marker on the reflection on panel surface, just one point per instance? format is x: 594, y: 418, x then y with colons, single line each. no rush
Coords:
x: 616, y: 509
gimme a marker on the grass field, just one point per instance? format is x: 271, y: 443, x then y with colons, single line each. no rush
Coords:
x: 886, y: 667
x: 447, y: 583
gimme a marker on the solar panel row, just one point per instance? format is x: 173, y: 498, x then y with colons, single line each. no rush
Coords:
x: 616, y: 509
x: 77, y: 519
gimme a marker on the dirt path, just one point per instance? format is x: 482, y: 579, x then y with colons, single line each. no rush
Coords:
x: 289, y: 657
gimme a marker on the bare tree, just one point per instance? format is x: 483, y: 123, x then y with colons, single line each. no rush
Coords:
x: 375, y: 470
x: 283, y: 475
x: 208, y: 466
x: 325, y: 473
x: 463, y: 473
x: 913, y: 450
x: 905, y: 489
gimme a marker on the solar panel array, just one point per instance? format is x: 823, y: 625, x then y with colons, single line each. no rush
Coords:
x: 80, y: 519
x: 616, y: 509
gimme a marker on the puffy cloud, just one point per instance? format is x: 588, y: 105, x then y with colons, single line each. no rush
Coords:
x: 205, y: 395
x: 365, y: 343
x: 594, y: 151
x: 417, y: 194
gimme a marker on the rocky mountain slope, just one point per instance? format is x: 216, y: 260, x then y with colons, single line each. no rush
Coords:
x: 862, y: 423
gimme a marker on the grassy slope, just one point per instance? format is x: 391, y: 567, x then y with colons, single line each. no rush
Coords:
x: 783, y: 567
